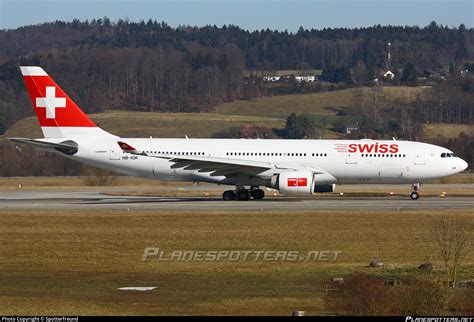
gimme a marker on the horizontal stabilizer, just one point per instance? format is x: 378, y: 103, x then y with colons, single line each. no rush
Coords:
x: 67, y: 147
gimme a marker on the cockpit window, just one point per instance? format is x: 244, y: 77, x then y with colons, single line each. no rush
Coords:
x: 448, y: 155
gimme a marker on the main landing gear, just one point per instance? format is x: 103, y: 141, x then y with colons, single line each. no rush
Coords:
x: 415, y: 194
x: 244, y: 194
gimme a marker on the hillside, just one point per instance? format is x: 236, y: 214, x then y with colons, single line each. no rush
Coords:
x: 269, y: 112
x: 144, y: 124
x: 449, y: 131
x: 320, y: 104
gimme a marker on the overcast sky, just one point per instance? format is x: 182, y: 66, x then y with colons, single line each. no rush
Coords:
x: 248, y: 14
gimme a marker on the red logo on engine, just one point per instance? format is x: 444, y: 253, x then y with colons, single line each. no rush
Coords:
x: 297, y: 182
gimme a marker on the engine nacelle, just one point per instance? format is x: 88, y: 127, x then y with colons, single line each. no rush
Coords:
x: 303, y: 182
x: 294, y: 182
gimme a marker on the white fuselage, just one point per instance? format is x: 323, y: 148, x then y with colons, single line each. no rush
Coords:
x: 348, y: 161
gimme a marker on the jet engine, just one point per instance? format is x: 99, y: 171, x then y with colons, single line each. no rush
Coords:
x: 302, y: 182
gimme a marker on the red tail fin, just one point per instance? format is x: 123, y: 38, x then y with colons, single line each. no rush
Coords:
x: 57, y: 113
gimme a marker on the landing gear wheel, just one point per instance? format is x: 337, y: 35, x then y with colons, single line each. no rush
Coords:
x: 258, y: 194
x: 414, y: 195
x: 243, y: 194
x: 228, y: 195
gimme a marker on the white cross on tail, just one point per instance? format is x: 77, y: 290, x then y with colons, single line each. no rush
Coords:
x: 51, y: 102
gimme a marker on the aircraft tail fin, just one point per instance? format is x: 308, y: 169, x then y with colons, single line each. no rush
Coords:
x: 58, y: 115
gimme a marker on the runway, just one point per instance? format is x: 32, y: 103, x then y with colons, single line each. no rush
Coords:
x: 95, y: 200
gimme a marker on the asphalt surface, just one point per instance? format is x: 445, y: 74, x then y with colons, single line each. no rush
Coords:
x: 94, y: 199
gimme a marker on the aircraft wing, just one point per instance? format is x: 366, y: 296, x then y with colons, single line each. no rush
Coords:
x: 222, y: 166
x: 67, y: 147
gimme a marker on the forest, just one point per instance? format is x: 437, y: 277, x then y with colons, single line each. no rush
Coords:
x: 150, y: 66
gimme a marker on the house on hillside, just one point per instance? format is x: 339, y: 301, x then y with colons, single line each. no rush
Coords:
x: 352, y: 129
x: 389, y: 75
x: 271, y: 78
x: 306, y: 79
x: 435, y: 73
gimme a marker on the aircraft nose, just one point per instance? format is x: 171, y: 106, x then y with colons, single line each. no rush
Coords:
x: 463, y: 165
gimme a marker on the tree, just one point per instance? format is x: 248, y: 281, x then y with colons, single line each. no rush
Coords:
x: 299, y: 127
x: 335, y: 74
x: 453, y: 242
x: 409, y: 75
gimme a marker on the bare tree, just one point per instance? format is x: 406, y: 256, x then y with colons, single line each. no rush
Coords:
x: 453, y: 242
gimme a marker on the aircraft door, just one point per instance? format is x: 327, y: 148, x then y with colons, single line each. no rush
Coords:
x: 419, y: 158
x: 115, y: 151
x: 351, y: 158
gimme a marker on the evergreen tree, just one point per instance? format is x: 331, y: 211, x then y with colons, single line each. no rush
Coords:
x: 409, y: 75
x: 299, y: 127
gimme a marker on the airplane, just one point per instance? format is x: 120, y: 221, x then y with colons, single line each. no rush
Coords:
x: 293, y: 167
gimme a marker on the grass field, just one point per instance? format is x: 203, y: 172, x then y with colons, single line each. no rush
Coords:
x: 458, y: 185
x: 322, y: 104
x: 69, y: 263
x: 431, y: 131
x: 144, y: 124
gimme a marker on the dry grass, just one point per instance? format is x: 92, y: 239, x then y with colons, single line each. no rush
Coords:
x: 318, y: 104
x: 32, y: 183
x: 281, y: 106
x: 45, y: 183
x: 144, y: 124
x: 68, y: 263
x: 432, y: 131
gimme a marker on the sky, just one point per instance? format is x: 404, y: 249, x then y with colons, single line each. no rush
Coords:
x: 248, y: 14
